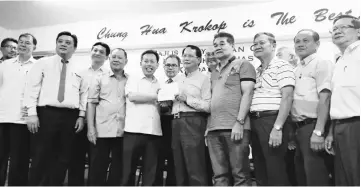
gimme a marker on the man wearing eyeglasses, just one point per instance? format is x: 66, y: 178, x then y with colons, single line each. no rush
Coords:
x: 344, y: 135
x: 171, y: 69
x: 8, y: 48
x: 14, y: 135
x: 190, y: 111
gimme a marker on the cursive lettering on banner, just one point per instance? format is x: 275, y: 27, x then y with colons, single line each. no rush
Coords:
x: 186, y: 26
x: 322, y: 14
x: 283, y: 18
x: 149, y: 29
x: 249, y: 23
x: 104, y: 33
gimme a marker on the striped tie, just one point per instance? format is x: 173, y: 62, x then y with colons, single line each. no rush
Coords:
x: 62, y: 81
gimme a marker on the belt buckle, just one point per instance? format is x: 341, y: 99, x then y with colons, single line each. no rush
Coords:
x: 176, y: 115
x: 258, y: 114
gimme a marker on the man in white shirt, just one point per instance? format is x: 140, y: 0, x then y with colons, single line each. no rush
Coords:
x: 106, y: 117
x: 142, y: 131
x: 345, y: 102
x: 56, y: 98
x: 99, y: 54
x: 171, y: 68
x: 14, y: 135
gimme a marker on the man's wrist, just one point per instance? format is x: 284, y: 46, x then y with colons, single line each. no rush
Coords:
x: 277, y: 127
x: 240, y: 121
x: 317, y: 132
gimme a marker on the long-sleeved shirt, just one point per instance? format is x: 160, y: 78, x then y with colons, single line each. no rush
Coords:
x: 13, y: 80
x: 197, y: 88
x: 43, y: 86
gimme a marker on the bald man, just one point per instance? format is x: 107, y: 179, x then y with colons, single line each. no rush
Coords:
x: 288, y: 54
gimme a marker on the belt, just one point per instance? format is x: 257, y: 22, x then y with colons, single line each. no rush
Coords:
x: 263, y: 113
x: 189, y: 114
x: 58, y: 108
x: 347, y: 120
x: 300, y: 124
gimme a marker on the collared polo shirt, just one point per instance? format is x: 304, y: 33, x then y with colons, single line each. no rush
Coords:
x: 313, y: 75
x: 43, y: 87
x: 197, y: 87
x: 227, y: 94
x: 142, y: 118
x: 345, y: 84
x: 109, y: 95
x: 267, y: 94
x: 13, y: 80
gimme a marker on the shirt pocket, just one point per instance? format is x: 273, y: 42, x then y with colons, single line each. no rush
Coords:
x: 232, y: 80
x: 304, y: 85
x: 350, y: 77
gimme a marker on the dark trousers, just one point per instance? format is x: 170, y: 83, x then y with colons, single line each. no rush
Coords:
x: 166, y: 153
x: 52, y: 145
x: 76, y: 171
x: 229, y: 159
x: 100, y: 161
x: 269, y: 162
x: 136, y: 145
x: 14, y: 143
x: 189, y: 150
x: 347, y: 153
x: 290, y: 166
x: 311, y: 166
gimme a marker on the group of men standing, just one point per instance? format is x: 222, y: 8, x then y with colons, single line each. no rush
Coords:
x: 314, y: 103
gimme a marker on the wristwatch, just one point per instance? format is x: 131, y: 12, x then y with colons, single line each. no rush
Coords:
x: 317, y: 132
x: 240, y: 121
x: 277, y: 127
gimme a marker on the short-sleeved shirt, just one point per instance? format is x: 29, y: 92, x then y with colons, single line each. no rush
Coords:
x: 109, y: 95
x: 267, y: 94
x: 345, y: 84
x: 142, y: 118
x: 197, y: 87
x: 227, y: 94
x: 313, y: 75
x: 13, y: 80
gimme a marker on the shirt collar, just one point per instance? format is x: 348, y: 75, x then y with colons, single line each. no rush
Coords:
x: 191, y: 74
x: 218, y: 68
x: 59, y: 59
x: 100, y: 68
x: 30, y: 60
x: 111, y: 74
x: 351, y: 47
x: 154, y: 80
x: 308, y: 59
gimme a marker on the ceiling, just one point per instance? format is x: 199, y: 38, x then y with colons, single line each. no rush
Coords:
x: 27, y: 14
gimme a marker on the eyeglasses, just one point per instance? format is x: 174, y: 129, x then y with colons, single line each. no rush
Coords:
x: 171, y: 65
x: 341, y: 28
x: 10, y: 47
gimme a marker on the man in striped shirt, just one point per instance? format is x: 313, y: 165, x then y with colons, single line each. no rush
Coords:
x: 270, y: 107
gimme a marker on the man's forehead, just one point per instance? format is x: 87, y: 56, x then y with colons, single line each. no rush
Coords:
x: 171, y: 61
x: 99, y: 47
x: 26, y: 37
x: 66, y: 37
x: 189, y: 50
x: 149, y: 56
x: 344, y: 21
x: 11, y: 43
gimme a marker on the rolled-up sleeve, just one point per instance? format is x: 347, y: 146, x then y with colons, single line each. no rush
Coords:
x: 32, y: 90
x: 285, y: 75
x: 204, y: 102
x: 94, y: 91
x: 323, y: 76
